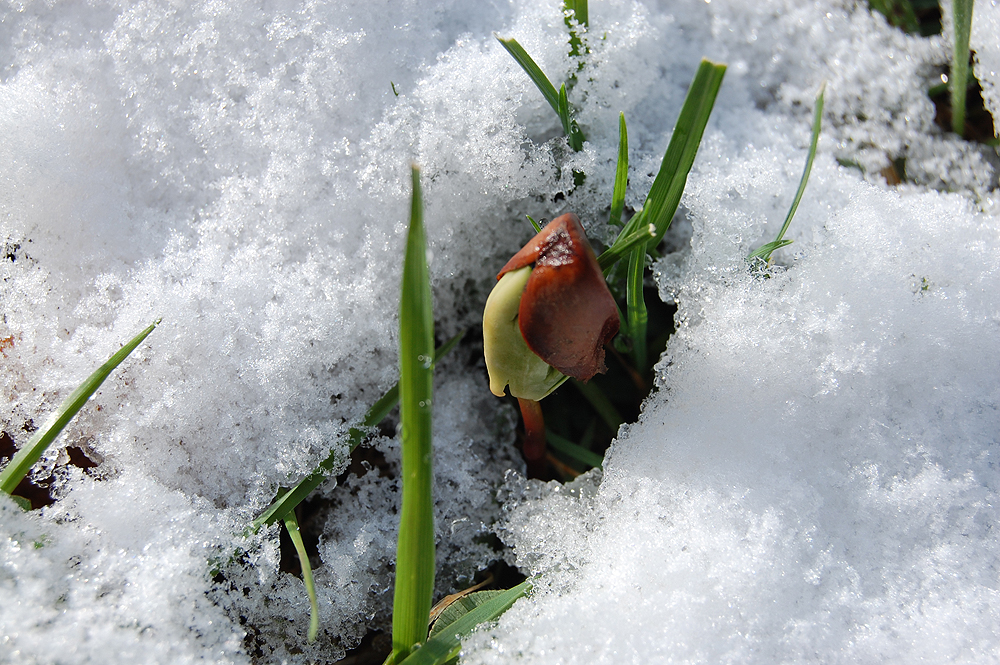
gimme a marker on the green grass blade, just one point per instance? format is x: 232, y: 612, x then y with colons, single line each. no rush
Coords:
x: 579, y: 9
x: 563, y: 110
x: 556, y: 98
x: 605, y: 409
x: 621, y: 174
x: 962, y: 18
x: 446, y: 644
x: 570, y: 128
x: 26, y: 457
x: 292, y: 525
x: 288, y: 500
x: 537, y: 227
x: 665, y: 194
x: 415, y: 552
x: 533, y: 71
x: 637, y: 315
x: 575, y: 14
x: 764, y: 252
x: 570, y: 449
x: 623, y: 245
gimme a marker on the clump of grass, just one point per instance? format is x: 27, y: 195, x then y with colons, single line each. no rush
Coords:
x: 643, y: 231
x: 17, y: 469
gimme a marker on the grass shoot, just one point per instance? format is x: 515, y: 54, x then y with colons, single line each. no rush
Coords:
x: 292, y: 525
x: 30, y: 453
x: 764, y: 251
x: 415, y: 552
x: 962, y: 25
x: 556, y: 98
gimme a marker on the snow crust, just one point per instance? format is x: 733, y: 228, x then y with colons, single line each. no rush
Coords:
x: 814, y: 478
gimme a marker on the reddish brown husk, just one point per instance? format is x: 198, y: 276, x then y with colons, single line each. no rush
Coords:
x: 567, y: 314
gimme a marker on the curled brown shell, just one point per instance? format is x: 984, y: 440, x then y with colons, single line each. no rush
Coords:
x: 567, y: 314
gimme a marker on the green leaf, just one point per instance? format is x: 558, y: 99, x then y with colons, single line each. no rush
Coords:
x: 448, y: 642
x: 962, y: 15
x: 556, y: 99
x: 570, y: 449
x: 636, y: 302
x: 286, y: 500
x: 292, y: 525
x: 623, y: 245
x: 764, y: 251
x: 533, y: 71
x: 415, y: 552
x: 25, y: 458
x: 665, y: 194
x: 621, y: 174
x: 577, y: 9
x: 576, y: 13
x: 22, y: 502
x: 538, y: 229
x: 461, y: 607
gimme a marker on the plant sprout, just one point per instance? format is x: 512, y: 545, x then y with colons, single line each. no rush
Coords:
x: 548, y: 317
x: 18, y: 468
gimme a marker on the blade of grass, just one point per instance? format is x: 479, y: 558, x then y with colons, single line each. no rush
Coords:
x: 623, y: 245
x: 411, y: 604
x: 570, y: 449
x: 556, y: 99
x: 621, y: 174
x: 538, y: 228
x: 26, y: 457
x: 665, y: 194
x: 764, y: 252
x: 637, y: 315
x: 575, y: 15
x: 376, y: 414
x: 605, y: 409
x: 570, y: 128
x: 446, y: 644
x: 576, y: 9
x: 962, y: 20
x: 292, y: 525
x: 533, y: 71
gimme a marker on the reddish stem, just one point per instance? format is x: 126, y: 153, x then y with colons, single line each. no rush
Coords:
x: 534, y: 429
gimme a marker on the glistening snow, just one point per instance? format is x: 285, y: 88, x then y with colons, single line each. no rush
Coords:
x: 814, y: 479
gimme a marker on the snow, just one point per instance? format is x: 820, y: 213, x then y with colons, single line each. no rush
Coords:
x: 814, y: 478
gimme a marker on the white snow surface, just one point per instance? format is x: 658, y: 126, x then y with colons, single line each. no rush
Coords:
x: 814, y: 478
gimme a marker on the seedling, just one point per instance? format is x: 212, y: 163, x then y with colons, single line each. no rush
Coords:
x: 763, y: 253
x: 415, y: 552
x: 580, y: 314
x: 30, y: 453
x: 557, y: 99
